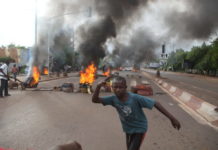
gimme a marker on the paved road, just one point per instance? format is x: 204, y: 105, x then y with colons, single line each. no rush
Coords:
x: 38, y: 120
x: 205, y: 88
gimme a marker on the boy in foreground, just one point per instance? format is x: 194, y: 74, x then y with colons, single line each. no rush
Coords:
x: 129, y: 107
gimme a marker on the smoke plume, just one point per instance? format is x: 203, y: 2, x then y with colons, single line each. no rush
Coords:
x: 199, y: 21
x: 118, y: 13
x: 93, y: 39
x: 141, y: 48
x: 117, y: 19
x: 119, y: 10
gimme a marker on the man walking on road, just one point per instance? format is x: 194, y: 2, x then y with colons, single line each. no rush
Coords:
x: 130, y: 109
x: 4, y: 76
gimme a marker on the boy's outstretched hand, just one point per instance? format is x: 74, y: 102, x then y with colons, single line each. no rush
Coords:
x: 173, y: 120
x: 175, y: 123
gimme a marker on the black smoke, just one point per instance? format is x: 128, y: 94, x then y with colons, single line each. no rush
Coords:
x: 199, y: 21
x: 119, y: 10
x: 118, y: 13
x: 140, y: 49
x: 62, y: 50
x: 94, y: 38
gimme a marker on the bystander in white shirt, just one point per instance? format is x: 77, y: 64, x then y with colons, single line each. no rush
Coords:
x: 4, y: 68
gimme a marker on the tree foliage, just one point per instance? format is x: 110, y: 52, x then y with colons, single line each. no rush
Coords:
x: 197, y: 54
x: 202, y: 58
x: 6, y: 59
x: 176, y: 59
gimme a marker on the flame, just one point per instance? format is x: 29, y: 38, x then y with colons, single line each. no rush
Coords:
x: 88, y: 76
x: 107, y: 73
x: 35, y: 75
x: 45, y: 71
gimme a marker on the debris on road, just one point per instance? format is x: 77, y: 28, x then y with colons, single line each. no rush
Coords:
x: 142, y: 89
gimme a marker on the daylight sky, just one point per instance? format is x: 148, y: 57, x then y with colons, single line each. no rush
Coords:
x: 18, y: 20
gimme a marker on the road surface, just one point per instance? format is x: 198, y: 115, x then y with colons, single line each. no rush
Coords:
x: 203, y: 87
x: 39, y: 120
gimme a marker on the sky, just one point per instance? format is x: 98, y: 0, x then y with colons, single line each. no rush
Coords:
x: 18, y: 21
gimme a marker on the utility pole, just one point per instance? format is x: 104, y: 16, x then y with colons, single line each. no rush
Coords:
x: 36, y: 22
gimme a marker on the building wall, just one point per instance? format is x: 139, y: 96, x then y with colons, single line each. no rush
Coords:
x: 13, y: 54
x: 2, y: 52
x: 21, y: 56
x: 10, y: 52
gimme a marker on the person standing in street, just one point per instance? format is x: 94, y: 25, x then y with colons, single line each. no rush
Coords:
x: 15, y: 72
x: 4, y: 76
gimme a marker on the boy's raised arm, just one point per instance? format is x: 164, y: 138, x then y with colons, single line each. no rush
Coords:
x: 95, y: 96
x: 173, y: 120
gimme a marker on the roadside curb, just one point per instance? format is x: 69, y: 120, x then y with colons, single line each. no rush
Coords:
x: 204, y: 109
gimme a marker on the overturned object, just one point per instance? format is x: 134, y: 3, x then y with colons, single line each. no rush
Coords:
x: 142, y: 89
x: 67, y: 87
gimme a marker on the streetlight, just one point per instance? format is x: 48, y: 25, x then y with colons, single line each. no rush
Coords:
x: 36, y: 21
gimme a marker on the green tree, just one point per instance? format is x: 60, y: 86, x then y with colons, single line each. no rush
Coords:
x: 176, y: 59
x: 12, y: 45
x: 197, y: 54
x: 4, y: 59
x: 214, y: 53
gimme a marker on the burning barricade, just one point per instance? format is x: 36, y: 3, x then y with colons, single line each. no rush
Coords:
x: 87, y: 78
x: 32, y: 81
x: 45, y: 71
x: 107, y: 73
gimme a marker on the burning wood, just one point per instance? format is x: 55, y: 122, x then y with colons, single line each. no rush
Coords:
x: 107, y: 73
x: 32, y: 81
x: 87, y: 78
x: 45, y: 71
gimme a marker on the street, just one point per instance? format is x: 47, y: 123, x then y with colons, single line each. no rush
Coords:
x: 39, y: 120
x: 203, y: 87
